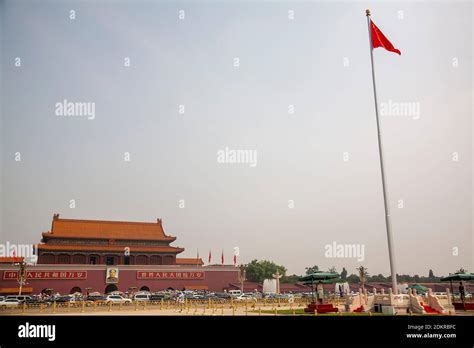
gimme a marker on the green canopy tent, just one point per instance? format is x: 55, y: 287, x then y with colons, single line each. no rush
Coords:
x: 418, y: 287
x: 319, y: 277
x: 459, y: 277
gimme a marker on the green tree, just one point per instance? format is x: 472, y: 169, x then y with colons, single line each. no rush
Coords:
x: 378, y: 278
x: 344, y: 273
x: 352, y: 279
x: 461, y: 271
x: 332, y: 269
x: 290, y: 279
x: 313, y: 269
x: 258, y: 271
x: 431, y: 276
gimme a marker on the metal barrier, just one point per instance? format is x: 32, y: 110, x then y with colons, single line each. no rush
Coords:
x: 188, y: 306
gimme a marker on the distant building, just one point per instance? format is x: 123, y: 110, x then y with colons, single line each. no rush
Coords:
x: 105, y: 256
x: 96, y: 242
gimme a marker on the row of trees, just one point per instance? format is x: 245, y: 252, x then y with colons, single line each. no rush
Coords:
x: 258, y: 270
x: 363, y: 272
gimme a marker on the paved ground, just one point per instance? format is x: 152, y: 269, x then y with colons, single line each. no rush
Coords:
x: 227, y: 311
x: 175, y: 309
x: 199, y: 311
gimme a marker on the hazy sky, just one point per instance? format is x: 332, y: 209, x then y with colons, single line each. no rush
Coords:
x: 318, y: 62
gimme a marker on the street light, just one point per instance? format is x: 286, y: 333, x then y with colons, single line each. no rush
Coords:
x: 362, y: 276
x: 22, y: 274
x: 242, y: 275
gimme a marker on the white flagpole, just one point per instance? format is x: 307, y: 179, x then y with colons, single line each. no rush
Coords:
x: 385, y: 195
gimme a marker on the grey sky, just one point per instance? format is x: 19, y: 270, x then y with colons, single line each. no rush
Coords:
x: 300, y: 157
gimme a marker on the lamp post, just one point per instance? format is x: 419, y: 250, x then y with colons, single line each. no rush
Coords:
x: 22, y: 274
x: 362, y: 276
x: 313, y: 290
x: 242, y: 275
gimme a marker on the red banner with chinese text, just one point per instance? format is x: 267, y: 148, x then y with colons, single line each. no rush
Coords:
x: 32, y: 275
x: 169, y: 275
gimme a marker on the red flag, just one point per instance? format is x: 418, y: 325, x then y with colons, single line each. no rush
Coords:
x: 235, y: 260
x: 379, y: 39
x: 222, y: 257
x: 210, y: 257
x: 14, y: 252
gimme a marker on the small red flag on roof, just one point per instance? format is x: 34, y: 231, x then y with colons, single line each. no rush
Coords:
x: 210, y: 257
x: 222, y: 257
x: 379, y: 39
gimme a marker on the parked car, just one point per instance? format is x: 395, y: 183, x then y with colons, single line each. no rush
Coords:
x: 158, y: 297
x: 235, y: 293
x: 223, y: 295
x: 212, y: 297
x: 96, y: 298
x: 33, y: 301
x: 196, y: 296
x: 119, y: 293
x: 141, y: 297
x: 245, y: 298
x: 64, y: 299
x: 9, y: 303
x: 20, y: 298
x: 117, y: 299
x: 285, y: 296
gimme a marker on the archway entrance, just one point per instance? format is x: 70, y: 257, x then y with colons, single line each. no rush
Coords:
x: 110, y: 288
x: 75, y: 289
x: 144, y: 288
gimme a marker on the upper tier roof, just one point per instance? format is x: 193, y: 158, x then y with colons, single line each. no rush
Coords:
x: 98, y: 229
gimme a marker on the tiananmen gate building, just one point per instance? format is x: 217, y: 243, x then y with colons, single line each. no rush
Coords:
x: 104, y: 256
x: 105, y: 242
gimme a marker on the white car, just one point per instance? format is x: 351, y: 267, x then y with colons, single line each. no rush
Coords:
x: 20, y: 298
x: 9, y: 303
x: 141, y: 297
x: 235, y: 293
x: 117, y: 299
x: 245, y: 298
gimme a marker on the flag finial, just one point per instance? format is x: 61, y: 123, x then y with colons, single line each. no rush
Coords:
x: 367, y: 12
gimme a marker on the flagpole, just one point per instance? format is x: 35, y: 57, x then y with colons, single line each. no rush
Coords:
x: 391, y: 253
